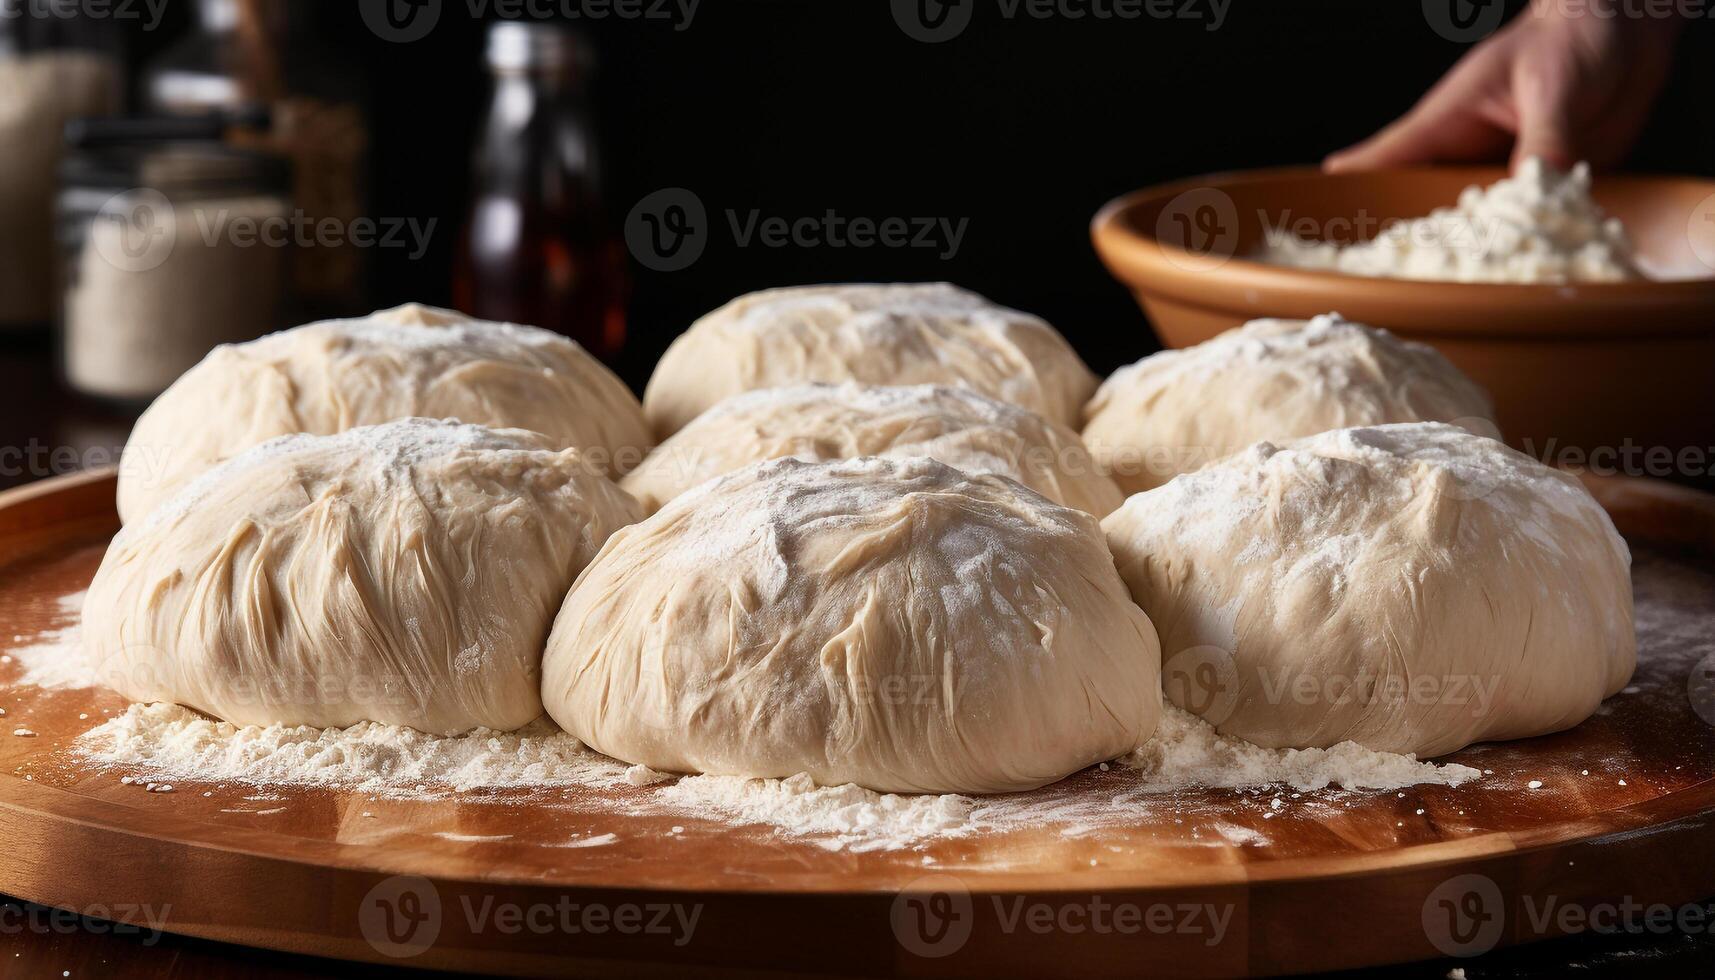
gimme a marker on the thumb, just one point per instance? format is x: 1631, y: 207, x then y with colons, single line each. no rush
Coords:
x: 1545, y: 95
x: 1447, y: 124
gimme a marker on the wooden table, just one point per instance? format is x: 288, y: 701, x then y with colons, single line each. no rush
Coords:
x: 805, y: 925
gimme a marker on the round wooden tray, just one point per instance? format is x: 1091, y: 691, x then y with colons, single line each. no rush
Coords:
x: 1200, y: 882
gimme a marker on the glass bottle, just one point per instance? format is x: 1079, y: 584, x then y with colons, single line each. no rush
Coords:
x: 537, y: 247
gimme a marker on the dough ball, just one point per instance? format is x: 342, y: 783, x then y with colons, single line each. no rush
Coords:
x: 1175, y: 411
x: 1412, y: 588
x: 411, y: 361
x: 818, y: 422
x: 404, y: 573
x: 891, y: 623
x: 931, y: 333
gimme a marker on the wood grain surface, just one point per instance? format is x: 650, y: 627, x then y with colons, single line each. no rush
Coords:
x: 1623, y: 813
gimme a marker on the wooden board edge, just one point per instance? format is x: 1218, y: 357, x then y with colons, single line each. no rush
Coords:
x: 1285, y: 918
x: 42, y: 515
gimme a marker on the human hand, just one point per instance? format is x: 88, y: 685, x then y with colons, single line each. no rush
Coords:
x: 1562, y: 85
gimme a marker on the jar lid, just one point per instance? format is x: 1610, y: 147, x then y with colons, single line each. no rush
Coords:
x: 530, y: 45
x: 174, y: 168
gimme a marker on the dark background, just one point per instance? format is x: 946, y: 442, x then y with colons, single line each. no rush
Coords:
x: 1024, y: 126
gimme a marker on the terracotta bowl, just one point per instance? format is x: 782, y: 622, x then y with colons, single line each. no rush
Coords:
x: 1576, y: 370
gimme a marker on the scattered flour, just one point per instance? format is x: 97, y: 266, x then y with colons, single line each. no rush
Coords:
x: 599, y: 840
x: 856, y: 817
x: 54, y: 658
x: 385, y: 760
x: 1187, y: 751
x: 174, y: 743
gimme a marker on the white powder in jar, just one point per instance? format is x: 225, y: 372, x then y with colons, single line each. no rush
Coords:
x: 148, y: 302
x: 39, y: 92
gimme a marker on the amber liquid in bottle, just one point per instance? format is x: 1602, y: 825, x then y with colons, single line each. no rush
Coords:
x: 537, y: 247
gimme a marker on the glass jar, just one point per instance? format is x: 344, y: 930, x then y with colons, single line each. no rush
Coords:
x: 259, y: 57
x: 50, y: 72
x: 538, y: 247
x: 168, y: 250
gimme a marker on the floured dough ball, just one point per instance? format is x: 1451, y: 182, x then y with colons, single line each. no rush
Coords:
x: 931, y: 333
x: 895, y: 624
x: 819, y: 422
x: 404, y: 573
x: 1175, y: 411
x: 1412, y: 588
x: 339, y: 374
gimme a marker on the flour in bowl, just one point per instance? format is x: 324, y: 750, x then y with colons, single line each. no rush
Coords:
x: 1538, y: 226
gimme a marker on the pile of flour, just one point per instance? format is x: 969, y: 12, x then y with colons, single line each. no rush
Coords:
x: 172, y: 744
x: 1537, y: 226
x: 166, y: 744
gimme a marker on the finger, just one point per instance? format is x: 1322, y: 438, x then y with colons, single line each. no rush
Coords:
x: 1457, y: 120
x: 1413, y: 140
x: 1605, y: 133
x: 1545, y: 92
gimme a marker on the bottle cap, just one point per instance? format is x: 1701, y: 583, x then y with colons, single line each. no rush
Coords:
x: 525, y: 45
